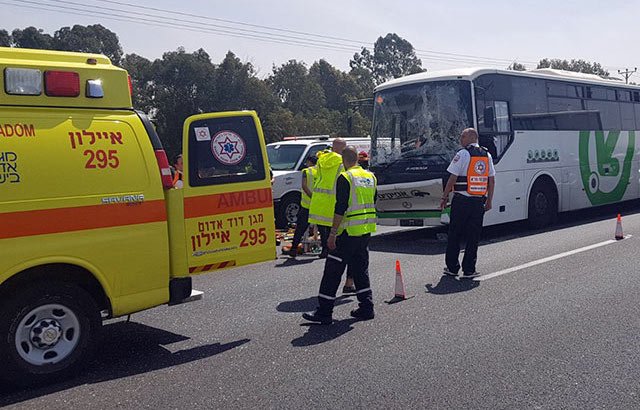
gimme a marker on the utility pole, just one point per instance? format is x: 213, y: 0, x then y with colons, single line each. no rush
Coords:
x: 627, y: 73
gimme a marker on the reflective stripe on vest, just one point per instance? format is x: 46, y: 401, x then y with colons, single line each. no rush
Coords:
x: 476, y: 181
x: 323, y: 201
x: 360, y: 217
x: 309, y: 174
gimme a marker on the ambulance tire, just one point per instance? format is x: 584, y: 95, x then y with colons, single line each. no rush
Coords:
x: 288, y: 210
x: 64, y: 307
x: 543, y: 205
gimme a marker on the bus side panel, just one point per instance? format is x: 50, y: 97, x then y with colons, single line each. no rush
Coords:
x: 509, y: 198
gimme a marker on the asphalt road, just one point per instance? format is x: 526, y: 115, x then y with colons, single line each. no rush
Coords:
x: 559, y: 334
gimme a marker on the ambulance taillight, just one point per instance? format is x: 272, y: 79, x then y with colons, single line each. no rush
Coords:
x: 165, y: 170
x: 61, y: 83
x: 22, y: 81
x: 130, y: 85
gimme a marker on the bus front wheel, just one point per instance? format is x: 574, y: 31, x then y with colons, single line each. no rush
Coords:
x: 543, y: 205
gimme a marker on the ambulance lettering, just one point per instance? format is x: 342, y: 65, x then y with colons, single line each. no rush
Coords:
x: 234, y: 199
x: 17, y: 130
x: 97, y: 158
x: 242, y: 226
x: 9, y: 167
x: 125, y: 199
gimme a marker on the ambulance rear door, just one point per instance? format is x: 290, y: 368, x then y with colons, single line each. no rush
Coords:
x: 228, y: 205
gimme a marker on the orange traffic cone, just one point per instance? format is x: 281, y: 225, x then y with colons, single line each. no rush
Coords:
x: 400, y: 292
x: 619, y: 234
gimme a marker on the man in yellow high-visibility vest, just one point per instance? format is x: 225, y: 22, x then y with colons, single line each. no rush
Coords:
x: 323, y: 200
x: 302, y: 223
x: 353, y: 222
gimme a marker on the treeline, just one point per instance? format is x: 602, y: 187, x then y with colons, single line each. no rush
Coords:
x: 294, y: 99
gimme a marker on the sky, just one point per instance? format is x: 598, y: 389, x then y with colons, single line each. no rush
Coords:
x: 447, y: 34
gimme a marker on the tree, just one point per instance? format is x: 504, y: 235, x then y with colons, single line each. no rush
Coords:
x: 32, y: 37
x: 139, y: 68
x: 580, y: 66
x: 517, y: 67
x: 183, y: 85
x: 278, y: 124
x: 237, y: 87
x: 338, y: 87
x: 392, y: 57
x: 295, y: 89
x: 5, y: 38
x: 89, y: 39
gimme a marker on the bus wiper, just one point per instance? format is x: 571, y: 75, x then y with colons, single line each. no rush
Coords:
x: 414, y: 155
x: 386, y: 165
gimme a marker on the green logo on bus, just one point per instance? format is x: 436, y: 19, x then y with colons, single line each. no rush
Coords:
x: 603, y: 180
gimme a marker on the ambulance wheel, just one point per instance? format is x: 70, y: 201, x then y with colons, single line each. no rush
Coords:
x: 48, y: 332
x: 288, y: 211
x: 543, y: 205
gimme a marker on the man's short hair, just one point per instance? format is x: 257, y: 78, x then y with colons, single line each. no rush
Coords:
x: 350, y: 154
x: 471, y: 132
x: 338, y: 144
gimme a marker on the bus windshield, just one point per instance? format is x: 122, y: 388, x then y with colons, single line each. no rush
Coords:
x: 284, y: 157
x: 421, y: 121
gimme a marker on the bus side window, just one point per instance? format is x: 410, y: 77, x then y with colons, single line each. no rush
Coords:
x: 495, y: 127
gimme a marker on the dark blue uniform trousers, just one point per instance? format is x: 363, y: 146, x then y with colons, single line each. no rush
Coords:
x: 467, y: 214
x: 351, y: 252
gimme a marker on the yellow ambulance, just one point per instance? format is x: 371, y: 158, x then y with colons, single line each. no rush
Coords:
x: 91, y: 226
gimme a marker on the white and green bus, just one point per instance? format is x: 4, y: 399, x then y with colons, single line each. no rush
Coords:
x: 560, y: 141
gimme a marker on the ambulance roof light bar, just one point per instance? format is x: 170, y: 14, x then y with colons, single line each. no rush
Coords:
x: 307, y: 137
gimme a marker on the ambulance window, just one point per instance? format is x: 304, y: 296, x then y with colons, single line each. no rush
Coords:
x: 224, y: 150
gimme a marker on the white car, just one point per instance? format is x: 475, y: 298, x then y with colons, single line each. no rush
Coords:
x: 287, y: 159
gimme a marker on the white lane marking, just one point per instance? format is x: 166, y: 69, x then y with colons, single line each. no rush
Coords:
x: 547, y: 259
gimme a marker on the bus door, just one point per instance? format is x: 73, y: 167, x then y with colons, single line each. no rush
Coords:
x: 496, y: 134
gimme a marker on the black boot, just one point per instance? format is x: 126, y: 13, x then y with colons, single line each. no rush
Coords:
x: 363, y: 314
x: 323, y: 319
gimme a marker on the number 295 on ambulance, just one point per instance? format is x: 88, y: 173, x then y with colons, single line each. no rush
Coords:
x: 91, y: 224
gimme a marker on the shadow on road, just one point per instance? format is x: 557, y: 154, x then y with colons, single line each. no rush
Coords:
x: 449, y: 284
x: 317, y: 333
x: 295, y: 262
x: 425, y: 241
x: 126, y: 349
x: 414, y: 241
x: 308, y: 304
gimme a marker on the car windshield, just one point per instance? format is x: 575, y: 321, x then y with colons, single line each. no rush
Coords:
x: 284, y: 157
x: 421, y: 121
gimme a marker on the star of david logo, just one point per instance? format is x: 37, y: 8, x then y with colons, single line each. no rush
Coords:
x: 229, y: 148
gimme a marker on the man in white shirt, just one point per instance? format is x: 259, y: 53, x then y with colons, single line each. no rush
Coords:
x: 472, y: 180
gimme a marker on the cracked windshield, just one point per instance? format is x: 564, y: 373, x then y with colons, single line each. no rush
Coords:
x: 421, y: 121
